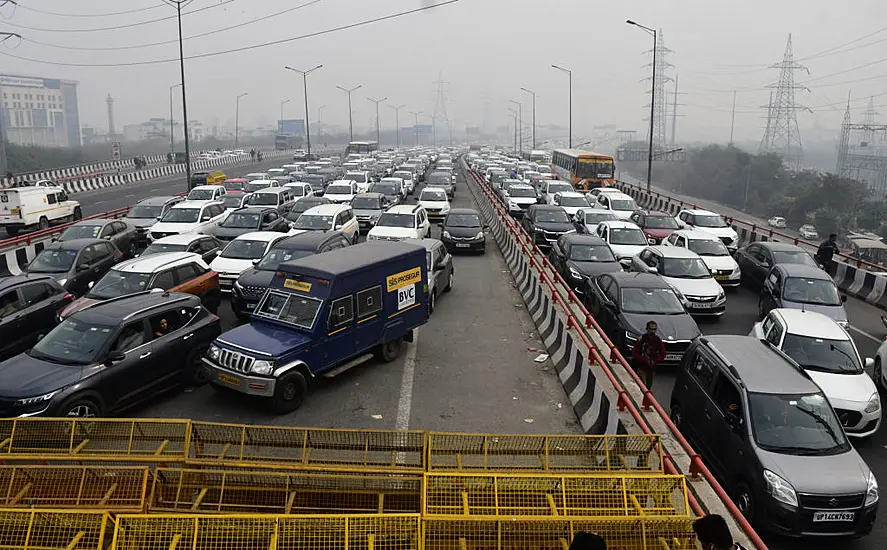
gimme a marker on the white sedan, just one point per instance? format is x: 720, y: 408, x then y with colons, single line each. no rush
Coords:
x: 241, y: 254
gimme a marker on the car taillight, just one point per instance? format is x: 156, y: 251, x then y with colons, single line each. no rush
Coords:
x: 69, y: 297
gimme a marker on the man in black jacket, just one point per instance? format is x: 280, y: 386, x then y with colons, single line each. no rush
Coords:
x: 826, y: 252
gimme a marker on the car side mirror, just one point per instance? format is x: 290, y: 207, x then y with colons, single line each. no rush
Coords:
x: 256, y: 261
x: 625, y: 262
x: 734, y: 422
x: 54, y: 240
x: 82, y: 267
x: 40, y: 336
x: 158, y: 218
x: 337, y: 227
x: 205, y: 219
x: 651, y: 269
x: 114, y: 357
x: 843, y: 298
x: 869, y: 362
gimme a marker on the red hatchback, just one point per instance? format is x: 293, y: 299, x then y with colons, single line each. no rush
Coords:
x: 235, y: 185
x: 655, y: 225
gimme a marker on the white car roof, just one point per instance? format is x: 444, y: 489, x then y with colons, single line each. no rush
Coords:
x: 183, y: 238
x: 325, y: 209
x: 266, y: 236
x: 811, y: 324
x: 697, y: 235
x: 403, y: 209
x: 269, y: 191
x: 620, y: 195
x: 575, y: 194
x: 391, y: 180
x: 195, y: 204
x: 530, y: 187
x: 349, y: 183
x: 674, y: 252
x: 269, y: 182
x: 695, y: 211
x: 154, y: 262
x: 208, y: 187
x: 619, y: 224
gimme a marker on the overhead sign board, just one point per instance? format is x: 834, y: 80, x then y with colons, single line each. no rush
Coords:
x: 291, y: 126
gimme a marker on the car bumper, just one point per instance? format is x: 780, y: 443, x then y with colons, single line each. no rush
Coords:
x: 243, y: 306
x: 861, y: 424
x: 792, y: 521
x: 262, y: 386
x: 728, y: 281
x: 453, y: 245
x: 226, y: 283
x: 703, y: 309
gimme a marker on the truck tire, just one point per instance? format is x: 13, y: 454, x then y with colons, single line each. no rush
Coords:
x: 289, y: 392
x: 43, y: 223
x: 390, y: 351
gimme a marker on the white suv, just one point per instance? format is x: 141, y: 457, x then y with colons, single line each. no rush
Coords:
x: 404, y: 221
x: 328, y: 217
x: 710, y: 222
x: 712, y: 251
x: 189, y: 217
x: 827, y: 353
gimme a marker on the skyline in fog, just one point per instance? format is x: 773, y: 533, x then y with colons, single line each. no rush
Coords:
x: 485, y: 50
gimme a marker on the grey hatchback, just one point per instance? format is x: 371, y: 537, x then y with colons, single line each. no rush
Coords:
x: 771, y: 436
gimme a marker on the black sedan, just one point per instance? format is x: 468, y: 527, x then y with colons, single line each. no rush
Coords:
x: 546, y: 223
x: 76, y: 263
x: 110, y: 357
x: 29, y: 307
x: 462, y: 231
x: 124, y: 235
x: 579, y: 257
x: 623, y: 303
x: 249, y: 219
x: 756, y: 259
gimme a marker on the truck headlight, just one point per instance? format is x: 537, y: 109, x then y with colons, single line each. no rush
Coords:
x: 874, y: 403
x: 262, y: 367
x: 213, y: 352
x: 36, y: 400
x: 780, y: 489
x: 871, y: 492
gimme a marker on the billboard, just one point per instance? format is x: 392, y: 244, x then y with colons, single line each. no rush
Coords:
x: 291, y: 126
x: 425, y: 129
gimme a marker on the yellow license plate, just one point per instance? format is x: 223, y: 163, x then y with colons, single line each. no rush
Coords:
x: 14, y: 210
x: 722, y: 278
x: 233, y: 380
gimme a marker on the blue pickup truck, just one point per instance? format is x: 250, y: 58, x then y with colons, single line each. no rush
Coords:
x: 323, y: 315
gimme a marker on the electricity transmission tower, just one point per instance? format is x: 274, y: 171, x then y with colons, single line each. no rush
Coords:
x: 862, y: 151
x: 660, y: 95
x: 782, y: 134
x: 440, y: 105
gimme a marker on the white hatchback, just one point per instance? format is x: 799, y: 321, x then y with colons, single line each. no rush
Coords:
x: 625, y: 239
x: 328, y: 217
x: 241, y: 254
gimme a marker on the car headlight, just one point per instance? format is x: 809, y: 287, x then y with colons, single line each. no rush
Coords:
x: 736, y: 270
x: 652, y: 240
x: 63, y: 282
x: 721, y: 295
x: 262, y: 367
x: 446, y: 234
x: 631, y: 337
x: 871, y: 492
x: 679, y: 295
x: 780, y: 489
x: 513, y: 205
x: 36, y: 400
x: 479, y: 236
x: 214, y: 352
x: 874, y: 403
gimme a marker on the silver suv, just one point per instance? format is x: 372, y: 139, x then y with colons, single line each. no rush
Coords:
x: 769, y: 434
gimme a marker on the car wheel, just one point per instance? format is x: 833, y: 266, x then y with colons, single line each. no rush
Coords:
x: 878, y: 373
x: 449, y: 286
x: 44, y: 223
x: 745, y: 501
x: 80, y: 407
x: 78, y: 214
x: 390, y: 351
x: 289, y: 392
x: 195, y: 373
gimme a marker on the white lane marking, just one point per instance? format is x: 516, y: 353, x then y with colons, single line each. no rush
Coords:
x: 406, y: 385
x: 866, y: 334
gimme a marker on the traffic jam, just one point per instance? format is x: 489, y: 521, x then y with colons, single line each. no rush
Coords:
x: 329, y: 263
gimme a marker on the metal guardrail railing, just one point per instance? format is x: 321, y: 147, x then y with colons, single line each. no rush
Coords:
x: 55, y: 230
x: 549, y: 276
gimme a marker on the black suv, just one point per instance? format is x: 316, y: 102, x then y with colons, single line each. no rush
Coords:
x: 110, y: 357
x: 770, y: 435
x: 250, y: 286
x: 546, y: 223
x: 29, y: 307
x: 579, y: 257
x: 249, y: 219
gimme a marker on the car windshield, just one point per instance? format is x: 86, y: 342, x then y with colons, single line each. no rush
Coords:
x: 356, y: 176
x: 552, y: 216
x: 200, y: 195
x: 651, y: 301
x: 573, y: 202
x: 243, y: 249
x: 253, y: 186
x: 390, y: 219
x: 793, y: 257
x: 463, y: 220
x: 144, y: 212
x: 160, y: 248
x: 705, y: 247
x: 433, y: 195
x: 523, y: 193
x: 263, y: 199
x: 684, y: 268
x: 660, y: 222
x: 119, y: 283
x: 233, y: 185
x: 181, y: 215
x: 821, y: 354
x: 314, y: 222
x: 81, y: 231
x: 558, y: 187
x: 338, y: 190
x: 808, y: 290
x: 439, y: 178
x: 594, y: 218
x: 796, y: 424
x: 293, y: 309
x: 233, y: 200
x: 403, y: 175
x: 241, y: 220
x: 366, y: 203
x: 708, y: 220
x: 623, y: 205
x: 627, y: 235
x: 73, y: 342
x: 384, y: 188
x: 276, y: 256
x: 52, y: 261
x: 315, y: 180
x: 591, y: 253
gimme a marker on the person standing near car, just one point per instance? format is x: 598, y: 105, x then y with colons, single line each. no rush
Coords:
x: 713, y: 533
x: 648, y: 352
x: 826, y: 252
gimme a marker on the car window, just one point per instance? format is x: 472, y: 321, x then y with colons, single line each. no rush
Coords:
x: 341, y: 312
x: 774, y: 336
x: 164, y: 280
x: 107, y: 231
x: 726, y: 396
x: 9, y: 304
x: 119, y: 227
x: 90, y: 255
x: 107, y: 250
x: 132, y: 336
x: 208, y: 244
x: 604, y: 283
x: 185, y: 273
x: 703, y: 370
x: 369, y: 301
x: 767, y: 324
x: 51, y: 198
x: 165, y: 323
x: 34, y: 294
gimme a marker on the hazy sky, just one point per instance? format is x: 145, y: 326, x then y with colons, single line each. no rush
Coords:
x: 485, y: 49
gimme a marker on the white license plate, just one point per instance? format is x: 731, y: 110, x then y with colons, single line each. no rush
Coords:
x: 673, y: 357
x: 462, y: 245
x: 833, y: 516
x: 702, y: 305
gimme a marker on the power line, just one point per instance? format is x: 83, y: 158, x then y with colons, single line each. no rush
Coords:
x: 57, y: 14
x: 137, y: 46
x: 241, y: 49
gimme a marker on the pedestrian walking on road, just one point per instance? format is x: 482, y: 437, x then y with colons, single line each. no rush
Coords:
x: 713, y: 533
x: 588, y: 541
x: 826, y: 252
x: 648, y: 352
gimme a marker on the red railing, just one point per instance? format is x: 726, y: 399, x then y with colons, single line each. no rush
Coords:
x: 697, y: 466
x: 49, y: 232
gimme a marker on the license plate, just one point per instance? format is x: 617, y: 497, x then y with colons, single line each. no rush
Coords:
x: 462, y: 245
x: 673, y: 357
x: 833, y: 516
x: 705, y: 305
x: 722, y: 277
x: 232, y: 380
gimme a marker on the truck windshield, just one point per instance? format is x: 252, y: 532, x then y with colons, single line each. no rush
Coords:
x: 293, y: 309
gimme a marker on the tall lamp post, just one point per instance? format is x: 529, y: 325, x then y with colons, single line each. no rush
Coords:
x: 531, y: 92
x: 416, y: 126
x: 305, y: 90
x: 350, y: 113
x: 397, y: 109
x: 652, y: 32
x: 520, y: 123
x: 319, y: 123
x: 178, y: 4
x: 282, y: 103
x: 570, y: 77
x: 172, y: 126
x: 514, y: 112
x: 378, y: 132
x: 237, y: 118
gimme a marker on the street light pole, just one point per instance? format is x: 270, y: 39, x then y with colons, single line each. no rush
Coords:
x: 378, y: 132
x: 416, y: 126
x: 652, y: 103
x: 520, y: 123
x: 514, y: 112
x: 531, y: 92
x: 172, y: 126
x: 319, y: 124
x: 397, y: 109
x: 178, y: 5
x: 307, y: 114
x: 350, y: 113
x: 237, y: 118
x: 282, y: 103
x: 570, y: 75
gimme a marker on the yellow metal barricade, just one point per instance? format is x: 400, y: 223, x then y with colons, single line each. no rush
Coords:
x: 93, y: 440
x: 229, y: 532
x: 534, y: 495
x: 55, y: 529
x: 108, y: 488
x: 543, y: 453
x: 269, y: 492
x: 507, y: 534
x: 288, y: 448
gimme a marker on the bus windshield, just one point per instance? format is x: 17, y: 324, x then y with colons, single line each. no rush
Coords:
x: 595, y: 168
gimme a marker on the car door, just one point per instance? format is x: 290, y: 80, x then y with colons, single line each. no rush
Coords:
x: 558, y: 255
x: 108, y: 256
x: 693, y: 390
x: 599, y: 303
x: 728, y: 438
x: 338, y: 343
x: 771, y: 292
x: 191, y: 278
x: 124, y: 381
x: 124, y: 236
x: 424, y: 224
x: 438, y: 269
x: 170, y: 349
x: 764, y: 263
x: 41, y: 303
x: 208, y: 248
x: 641, y: 263
x: 350, y: 227
x: 11, y: 323
x: 88, y: 269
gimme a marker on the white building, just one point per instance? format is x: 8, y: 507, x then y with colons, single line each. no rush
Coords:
x: 40, y: 111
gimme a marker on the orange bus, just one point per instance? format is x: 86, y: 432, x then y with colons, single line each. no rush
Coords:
x: 584, y: 169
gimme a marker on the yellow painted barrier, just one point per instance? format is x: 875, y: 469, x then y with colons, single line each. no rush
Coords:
x: 107, y: 488
x: 55, y: 529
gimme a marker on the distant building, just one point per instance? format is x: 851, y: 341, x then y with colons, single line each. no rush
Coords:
x: 40, y: 111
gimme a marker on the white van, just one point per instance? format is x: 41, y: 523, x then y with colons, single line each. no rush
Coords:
x: 36, y: 208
